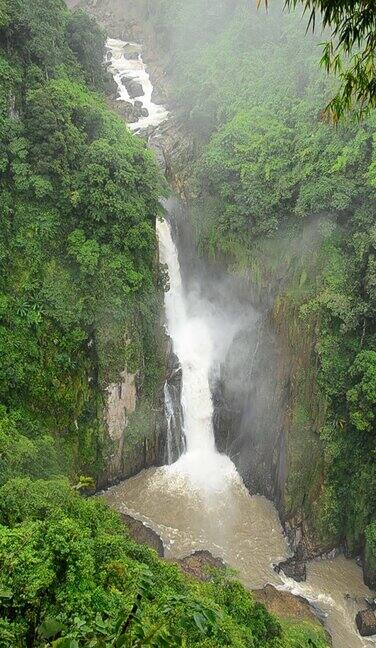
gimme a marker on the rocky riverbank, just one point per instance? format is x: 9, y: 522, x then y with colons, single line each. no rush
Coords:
x: 202, y: 565
x: 176, y: 152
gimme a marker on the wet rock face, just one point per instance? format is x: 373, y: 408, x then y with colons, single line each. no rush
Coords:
x: 143, y: 534
x: 248, y: 420
x: 200, y: 565
x: 288, y: 606
x: 269, y: 428
x: 121, y: 401
x: 175, y: 440
x: 134, y: 88
x: 369, y: 574
x: 366, y: 622
x: 293, y: 568
x: 127, y: 453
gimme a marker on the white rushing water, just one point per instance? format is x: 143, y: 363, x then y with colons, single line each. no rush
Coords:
x: 201, y: 465
x: 170, y: 419
x: 200, y: 501
x: 134, y: 68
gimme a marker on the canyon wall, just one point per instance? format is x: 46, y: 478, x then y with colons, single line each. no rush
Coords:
x: 268, y: 408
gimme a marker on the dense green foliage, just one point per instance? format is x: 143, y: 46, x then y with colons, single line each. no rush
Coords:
x: 290, y: 201
x: 79, y: 296
x: 79, y: 301
x: 353, y: 36
x: 71, y: 577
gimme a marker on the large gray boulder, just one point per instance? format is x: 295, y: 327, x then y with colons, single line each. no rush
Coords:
x: 134, y: 87
x: 131, y: 51
x: 293, y: 568
x: 366, y: 622
x: 143, y: 110
x: 127, y: 110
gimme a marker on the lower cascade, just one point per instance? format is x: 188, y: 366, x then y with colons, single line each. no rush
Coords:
x: 200, y: 464
x: 199, y: 501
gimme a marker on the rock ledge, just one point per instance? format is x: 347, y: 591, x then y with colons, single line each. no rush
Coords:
x: 143, y: 534
x: 366, y: 622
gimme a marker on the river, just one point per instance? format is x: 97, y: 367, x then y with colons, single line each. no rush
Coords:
x: 200, y: 501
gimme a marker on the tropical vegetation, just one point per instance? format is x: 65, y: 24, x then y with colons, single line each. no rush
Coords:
x: 289, y: 199
x: 80, y: 293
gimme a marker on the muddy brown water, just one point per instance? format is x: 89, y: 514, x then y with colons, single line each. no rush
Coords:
x: 245, y: 531
x: 200, y: 502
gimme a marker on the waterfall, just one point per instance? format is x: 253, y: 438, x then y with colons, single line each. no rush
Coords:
x: 199, y: 501
x: 193, y: 453
x: 132, y: 68
x: 192, y: 340
x: 170, y: 418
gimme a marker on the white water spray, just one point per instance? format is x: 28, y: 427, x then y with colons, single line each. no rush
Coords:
x: 201, y: 464
x: 200, y: 501
x: 122, y: 67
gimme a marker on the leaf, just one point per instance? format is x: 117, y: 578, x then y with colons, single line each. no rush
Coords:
x: 6, y: 593
x: 50, y: 627
x: 80, y: 623
x: 65, y: 642
x: 211, y: 616
x: 199, y: 620
x: 121, y: 641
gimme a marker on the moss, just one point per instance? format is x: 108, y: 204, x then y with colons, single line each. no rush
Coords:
x: 141, y: 424
x: 370, y: 554
x: 303, y: 633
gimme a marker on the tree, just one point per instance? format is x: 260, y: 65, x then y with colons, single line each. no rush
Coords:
x: 361, y: 397
x: 86, y: 39
x: 350, y: 51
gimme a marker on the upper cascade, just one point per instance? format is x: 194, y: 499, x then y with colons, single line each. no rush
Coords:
x: 133, y: 82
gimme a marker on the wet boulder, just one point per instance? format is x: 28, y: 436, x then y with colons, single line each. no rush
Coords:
x: 134, y: 88
x: 140, y: 106
x: 132, y: 56
x: 366, y: 622
x: 143, y: 534
x: 290, y: 607
x: 127, y: 110
x: 201, y: 564
x: 293, y: 568
x: 131, y: 51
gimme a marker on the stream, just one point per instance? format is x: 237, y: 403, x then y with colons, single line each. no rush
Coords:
x: 200, y: 501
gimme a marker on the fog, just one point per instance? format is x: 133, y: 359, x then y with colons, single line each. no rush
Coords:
x: 235, y: 371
